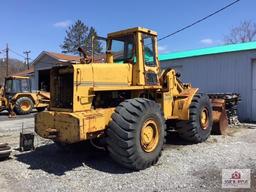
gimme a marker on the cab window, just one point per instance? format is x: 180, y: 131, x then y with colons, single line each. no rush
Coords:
x: 8, y: 86
x: 123, y: 49
x: 149, y: 50
x: 25, y: 85
x: 17, y: 86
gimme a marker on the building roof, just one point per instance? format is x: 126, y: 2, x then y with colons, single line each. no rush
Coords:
x: 209, y: 51
x: 26, y: 72
x: 63, y: 57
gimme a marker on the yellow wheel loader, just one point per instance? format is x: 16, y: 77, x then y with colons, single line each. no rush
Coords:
x: 127, y: 101
x: 17, y: 96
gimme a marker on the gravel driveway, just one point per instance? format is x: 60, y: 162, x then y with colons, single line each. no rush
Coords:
x: 182, y: 167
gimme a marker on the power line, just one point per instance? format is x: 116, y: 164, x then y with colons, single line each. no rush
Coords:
x: 199, y: 21
x: 17, y: 53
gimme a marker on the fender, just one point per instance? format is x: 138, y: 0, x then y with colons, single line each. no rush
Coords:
x: 29, y: 95
x: 182, y: 103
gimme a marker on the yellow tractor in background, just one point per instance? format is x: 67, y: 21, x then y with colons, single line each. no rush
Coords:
x: 128, y: 101
x: 16, y: 95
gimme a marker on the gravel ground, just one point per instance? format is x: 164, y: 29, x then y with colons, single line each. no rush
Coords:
x: 182, y: 167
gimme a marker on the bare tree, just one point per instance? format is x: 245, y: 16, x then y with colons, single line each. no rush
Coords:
x: 245, y: 32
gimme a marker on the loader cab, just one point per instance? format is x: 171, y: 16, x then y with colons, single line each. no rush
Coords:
x: 137, y: 46
x: 16, y: 84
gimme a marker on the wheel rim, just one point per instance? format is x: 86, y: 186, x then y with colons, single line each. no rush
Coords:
x: 149, y: 135
x: 25, y: 106
x: 204, y: 118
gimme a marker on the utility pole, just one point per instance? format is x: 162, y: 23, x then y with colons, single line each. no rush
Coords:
x: 7, y: 60
x: 27, y: 58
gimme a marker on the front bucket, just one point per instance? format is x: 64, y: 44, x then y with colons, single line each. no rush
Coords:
x: 220, y: 119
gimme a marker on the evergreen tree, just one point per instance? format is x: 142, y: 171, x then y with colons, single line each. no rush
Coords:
x: 79, y: 35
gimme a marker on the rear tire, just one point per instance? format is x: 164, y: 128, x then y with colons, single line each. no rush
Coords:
x: 136, y: 134
x: 199, y: 126
x: 23, y: 106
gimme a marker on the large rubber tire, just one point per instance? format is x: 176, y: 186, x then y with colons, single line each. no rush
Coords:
x: 193, y: 130
x: 23, y: 101
x: 5, y: 151
x: 124, y: 133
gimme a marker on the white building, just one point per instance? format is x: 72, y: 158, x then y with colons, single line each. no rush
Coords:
x: 222, y: 69
x: 43, y: 64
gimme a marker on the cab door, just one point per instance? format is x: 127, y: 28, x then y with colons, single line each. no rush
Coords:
x: 151, y: 64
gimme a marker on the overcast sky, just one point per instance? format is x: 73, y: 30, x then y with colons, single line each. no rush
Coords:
x: 40, y: 25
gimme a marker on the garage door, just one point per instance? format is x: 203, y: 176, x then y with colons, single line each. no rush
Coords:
x: 44, y: 80
x: 254, y: 91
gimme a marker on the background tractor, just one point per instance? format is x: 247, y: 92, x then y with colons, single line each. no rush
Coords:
x: 16, y: 95
x: 127, y: 101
